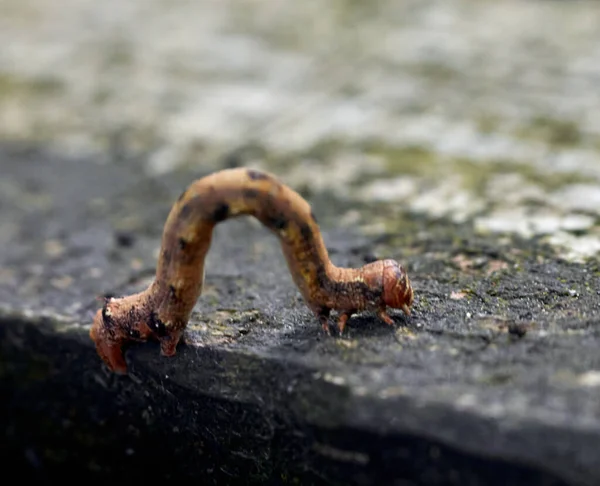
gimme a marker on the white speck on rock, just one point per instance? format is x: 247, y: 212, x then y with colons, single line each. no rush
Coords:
x: 576, y: 222
x: 504, y: 221
x: 543, y: 224
x: 590, y: 379
x: 448, y: 199
x: 576, y: 248
x: 512, y: 189
x: 336, y: 380
x: 540, y: 222
x: 582, y: 197
x: 163, y: 160
x: 397, y: 189
x: 467, y: 401
x: 344, y: 168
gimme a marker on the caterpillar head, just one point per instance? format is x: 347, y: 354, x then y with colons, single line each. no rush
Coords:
x: 397, y: 291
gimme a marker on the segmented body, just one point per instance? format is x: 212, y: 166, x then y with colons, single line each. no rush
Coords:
x: 163, y: 310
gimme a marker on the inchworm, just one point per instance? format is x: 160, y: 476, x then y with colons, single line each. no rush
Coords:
x: 163, y: 309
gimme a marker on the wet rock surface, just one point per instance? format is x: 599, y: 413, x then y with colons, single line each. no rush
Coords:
x: 494, y: 378
x: 461, y: 138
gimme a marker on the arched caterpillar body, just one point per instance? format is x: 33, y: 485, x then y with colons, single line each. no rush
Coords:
x: 163, y: 309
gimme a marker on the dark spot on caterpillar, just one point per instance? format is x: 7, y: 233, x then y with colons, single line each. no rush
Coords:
x: 313, y: 217
x: 257, y: 175
x: 181, y: 196
x: 107, y: 296
x: 250, y: 193
x: 156, y: 325
x: 350, y: 288
x: 278, y: 222
x: 134, y: 333
x: 173, y: 291
x: 186, y: 210
x: 182, y: 243
x: 220, y: 213
x: 322, y: 278
x: 132, y: 320
x: 306, y: 232
x: 104, y: 312
x: 107, y: 320
x: 370, y: 294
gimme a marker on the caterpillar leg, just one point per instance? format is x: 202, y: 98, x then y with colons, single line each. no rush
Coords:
x: 168, y: 344
x: 342, y: 320
x: 323, y: 316
x: 384, y: 316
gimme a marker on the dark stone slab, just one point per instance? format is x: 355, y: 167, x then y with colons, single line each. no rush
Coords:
x: 495, y: 386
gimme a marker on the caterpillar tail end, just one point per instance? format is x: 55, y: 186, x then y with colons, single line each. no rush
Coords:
x: 108, y: 346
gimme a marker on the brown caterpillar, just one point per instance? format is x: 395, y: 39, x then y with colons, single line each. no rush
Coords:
x: 163, y: 309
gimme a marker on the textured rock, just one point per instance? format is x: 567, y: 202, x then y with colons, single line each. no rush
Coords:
x: 459, y: 137
x: 491, y: 381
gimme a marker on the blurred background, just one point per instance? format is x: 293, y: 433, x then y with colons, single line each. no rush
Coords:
x: 461, y: 137
x: 478, y: 112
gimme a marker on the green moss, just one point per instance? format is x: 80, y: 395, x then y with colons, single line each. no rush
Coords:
x: 118, y: 55
x: 433, y: 71
x: 487, y: 123
x: 475, y: 176
x: 424, y: 303
x: 13, y: 86
x: 497, y: 379
x: 45, y: 86
x: 101, y: 96
x: 354, y: 11
x: 420, y: 161
x: 404, y: 160
x: 324, y: 149
x: 556, y: 132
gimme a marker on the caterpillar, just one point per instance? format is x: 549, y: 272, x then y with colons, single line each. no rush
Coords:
x: 162, y: 310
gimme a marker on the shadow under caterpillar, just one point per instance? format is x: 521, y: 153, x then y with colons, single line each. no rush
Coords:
x: 162, y: 310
